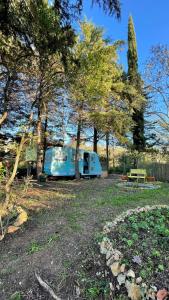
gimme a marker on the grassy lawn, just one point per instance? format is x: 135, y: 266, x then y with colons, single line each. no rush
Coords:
x: 65, y: 220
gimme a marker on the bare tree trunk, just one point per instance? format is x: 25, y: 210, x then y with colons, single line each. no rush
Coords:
x: 107, y: 152
x: 9, y: 182
x: 3, y: 118
x: 135, y: 163
x: 12, y: 177
x: 45, y: 141
x: 41, y: 107
x: 95, y: 140
x: 39, y: 145
x: 113, y: 159
x: 6, y: 94
x: 77, y: 173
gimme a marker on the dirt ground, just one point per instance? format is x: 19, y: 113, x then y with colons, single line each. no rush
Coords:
x: 59, y: 234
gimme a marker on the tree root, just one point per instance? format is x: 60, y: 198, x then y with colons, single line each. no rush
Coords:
x: 46, y: 287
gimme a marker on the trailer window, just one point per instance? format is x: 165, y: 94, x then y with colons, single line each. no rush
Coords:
x: 61, y: 157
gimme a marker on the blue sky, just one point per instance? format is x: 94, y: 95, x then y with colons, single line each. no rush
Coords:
x: 151, y: 21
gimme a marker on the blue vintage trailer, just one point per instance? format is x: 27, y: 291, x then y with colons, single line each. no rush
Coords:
x: 60, y: 161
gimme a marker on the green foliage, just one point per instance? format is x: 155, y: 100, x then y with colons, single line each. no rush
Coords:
x: 155, y: 253
x: 52, y: 238
x: 143, y: 274
x: 16, y: 296
x: 99, y: 237
x: 40, y: 26
x: 95, y: 80
x: 161, y: 268
x: 135, y: 236
x: 34, y: 247
x: 132, y: 52
x: 96, y: 288
x: 92, y: 75
x: 129, y: 243
x: 135, y: 79
x: 2, y: 172
x: 93, y: 292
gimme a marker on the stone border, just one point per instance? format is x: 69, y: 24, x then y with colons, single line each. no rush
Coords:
x: 138, y: 186
x: 135, y: 287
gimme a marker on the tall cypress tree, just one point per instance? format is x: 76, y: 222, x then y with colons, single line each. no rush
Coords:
x: 135, y: 80
x: 132, y: 52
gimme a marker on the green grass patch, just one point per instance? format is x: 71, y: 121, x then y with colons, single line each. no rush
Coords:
x: 16, y: 296
x: 142, y: 197
x: 73, y: 217
x: 36, y: 246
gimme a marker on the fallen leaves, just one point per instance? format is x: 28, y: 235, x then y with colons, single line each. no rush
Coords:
x: 162, y: 294
x: 21, y: 218
x: 12, y: 229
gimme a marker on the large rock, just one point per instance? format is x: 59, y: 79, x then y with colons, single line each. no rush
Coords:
x: 115, y: 268
x: 134, y: 291
x: 105, y: 246
x: 138, y: 280
x: 122, y: 268
x: 131, y: 274
x: 116, y: 255
x: 121, y: 278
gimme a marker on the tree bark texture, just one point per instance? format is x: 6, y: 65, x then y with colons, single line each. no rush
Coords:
x: 12, y: 177
x: 107, y: 152
x: 39, y: 145
x: 77, y: 173
x: 95, y: 140
x: 138, y: 130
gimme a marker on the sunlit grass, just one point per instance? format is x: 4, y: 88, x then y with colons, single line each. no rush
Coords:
x: 36, y: 199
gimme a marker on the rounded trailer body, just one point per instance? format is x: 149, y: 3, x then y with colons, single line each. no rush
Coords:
x: 60, y: 161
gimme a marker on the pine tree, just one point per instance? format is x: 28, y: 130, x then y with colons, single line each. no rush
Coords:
x: 90, y: 80
x: 135, y: 80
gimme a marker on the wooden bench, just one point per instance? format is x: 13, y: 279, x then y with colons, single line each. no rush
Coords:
x: 137, y: 174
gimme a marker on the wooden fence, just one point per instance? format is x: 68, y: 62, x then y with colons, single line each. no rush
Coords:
x: 159, y: 170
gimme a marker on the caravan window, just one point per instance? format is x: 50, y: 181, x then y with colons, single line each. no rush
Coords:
x: 60, y: 157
